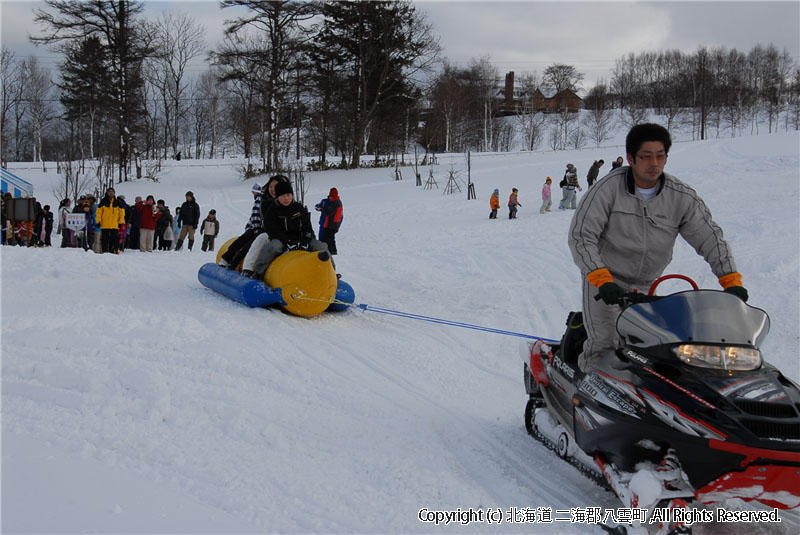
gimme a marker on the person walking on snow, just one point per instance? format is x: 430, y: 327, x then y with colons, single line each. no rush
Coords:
x: 547, y: 202
x: 189, y: 217
x: 513, y: 202
x: 209, y: 230
x: 571, y: 184
x: 594, y: 171
x: 332, y: 214
x: 494, y: 204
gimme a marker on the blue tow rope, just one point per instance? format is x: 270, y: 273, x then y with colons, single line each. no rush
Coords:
x: 454, y: 323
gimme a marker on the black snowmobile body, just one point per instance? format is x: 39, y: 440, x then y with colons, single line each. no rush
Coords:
x: 689, y: 382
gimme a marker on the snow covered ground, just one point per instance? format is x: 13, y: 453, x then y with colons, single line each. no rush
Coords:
x: 134, y: 400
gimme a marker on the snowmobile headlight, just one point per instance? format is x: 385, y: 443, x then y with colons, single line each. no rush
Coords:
x: 720, y: 357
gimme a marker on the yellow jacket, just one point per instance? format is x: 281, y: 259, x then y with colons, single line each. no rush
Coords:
x: 110, y: 215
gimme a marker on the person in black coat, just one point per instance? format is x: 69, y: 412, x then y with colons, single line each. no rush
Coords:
x: 287, y: 226
x: 241, y: 245
x: 188, y: 219
x: 47, y: 215
x: 38, y: 223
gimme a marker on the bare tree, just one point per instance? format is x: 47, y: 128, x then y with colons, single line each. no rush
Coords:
x: 600, y: 120
x: 599, y: 125
x: 532, y: 124
x: 486, y: 76
x: 559, y: 77
x: 794, y: 100
x: 16, y: 86
x: 157, y: 77
x: 566, y: 121
x: 37, y: 90
x: 279, y: 27
x: 10, y: 78
x: 128, y: 43
x: 73, y: 181
x: 210, y: 95
x: 633, y: 114
x: 555, y: 140
x: 179, y: 39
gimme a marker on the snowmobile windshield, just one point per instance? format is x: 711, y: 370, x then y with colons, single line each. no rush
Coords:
x: 699, y: 317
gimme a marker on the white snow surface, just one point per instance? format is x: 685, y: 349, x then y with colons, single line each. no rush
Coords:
x: 135, y: 400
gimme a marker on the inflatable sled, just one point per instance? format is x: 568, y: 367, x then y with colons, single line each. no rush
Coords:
x: 301, y: 282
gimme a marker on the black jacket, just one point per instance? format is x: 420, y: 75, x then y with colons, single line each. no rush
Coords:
x: 190, y: 213
x: 165, y: 220
x: 289, y: 224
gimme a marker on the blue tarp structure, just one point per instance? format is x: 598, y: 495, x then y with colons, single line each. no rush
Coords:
x: 15, y: 185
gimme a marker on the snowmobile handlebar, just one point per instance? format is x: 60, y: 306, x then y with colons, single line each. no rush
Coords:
x: 631, y: 298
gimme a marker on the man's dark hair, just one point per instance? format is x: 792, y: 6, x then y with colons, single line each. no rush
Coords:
x: 642, y: 133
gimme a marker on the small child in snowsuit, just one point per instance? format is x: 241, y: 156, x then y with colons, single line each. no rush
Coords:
x: 494, y: 204
x: 331, y: 220
x: 210, y: 229
x: 547, y: 201
x: 512, y: 204
x: 85, y: 236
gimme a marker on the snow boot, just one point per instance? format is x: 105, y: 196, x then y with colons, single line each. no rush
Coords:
x: 191, y: 242
x: 179, y: 245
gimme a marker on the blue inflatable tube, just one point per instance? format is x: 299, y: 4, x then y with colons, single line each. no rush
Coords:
x: 345, y: 295
x: 230, y: 283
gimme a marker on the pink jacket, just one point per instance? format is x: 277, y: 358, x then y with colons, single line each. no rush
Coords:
x: 545, y: 191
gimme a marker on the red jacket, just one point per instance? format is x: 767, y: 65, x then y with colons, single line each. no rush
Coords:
x: 148, y: 219
x: 333, y: 213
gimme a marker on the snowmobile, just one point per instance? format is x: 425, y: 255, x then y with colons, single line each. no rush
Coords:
x: 686, y: 411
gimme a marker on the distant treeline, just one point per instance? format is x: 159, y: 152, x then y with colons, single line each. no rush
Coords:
x: 315, y: 79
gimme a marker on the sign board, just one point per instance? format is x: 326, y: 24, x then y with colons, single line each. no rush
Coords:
x: 75, y: 222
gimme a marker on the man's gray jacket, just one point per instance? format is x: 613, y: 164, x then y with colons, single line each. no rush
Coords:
x: 614, y: 228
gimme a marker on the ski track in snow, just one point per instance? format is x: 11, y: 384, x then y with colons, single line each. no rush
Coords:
x: 348, y: 422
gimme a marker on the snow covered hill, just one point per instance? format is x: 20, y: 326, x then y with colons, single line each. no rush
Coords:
x: 134, y: 400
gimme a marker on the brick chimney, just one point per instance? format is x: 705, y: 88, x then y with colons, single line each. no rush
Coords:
x: 510, y: 88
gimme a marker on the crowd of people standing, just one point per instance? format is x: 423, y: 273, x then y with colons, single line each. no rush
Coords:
x: 113, y: 225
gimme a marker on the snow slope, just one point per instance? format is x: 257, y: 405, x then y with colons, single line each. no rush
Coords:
x: 134, y: 400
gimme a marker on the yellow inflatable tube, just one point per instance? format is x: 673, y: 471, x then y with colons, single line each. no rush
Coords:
x: 307, y: 284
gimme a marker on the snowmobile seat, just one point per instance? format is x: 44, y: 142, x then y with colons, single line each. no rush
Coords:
x: 573, y: 339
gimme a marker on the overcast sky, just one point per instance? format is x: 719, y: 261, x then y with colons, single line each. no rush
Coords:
x: 524, y: 36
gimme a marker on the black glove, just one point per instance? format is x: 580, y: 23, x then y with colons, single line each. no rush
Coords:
x: 738, y: 291
x: 611, y: 293
x: 305, y: 240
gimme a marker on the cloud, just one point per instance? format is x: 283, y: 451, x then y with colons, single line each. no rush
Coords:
x: 528, y: 36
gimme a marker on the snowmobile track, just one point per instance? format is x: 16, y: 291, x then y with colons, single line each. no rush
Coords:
x: 583, y: 469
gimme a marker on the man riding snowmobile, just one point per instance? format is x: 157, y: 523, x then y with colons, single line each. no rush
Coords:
x: 624, y: 231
